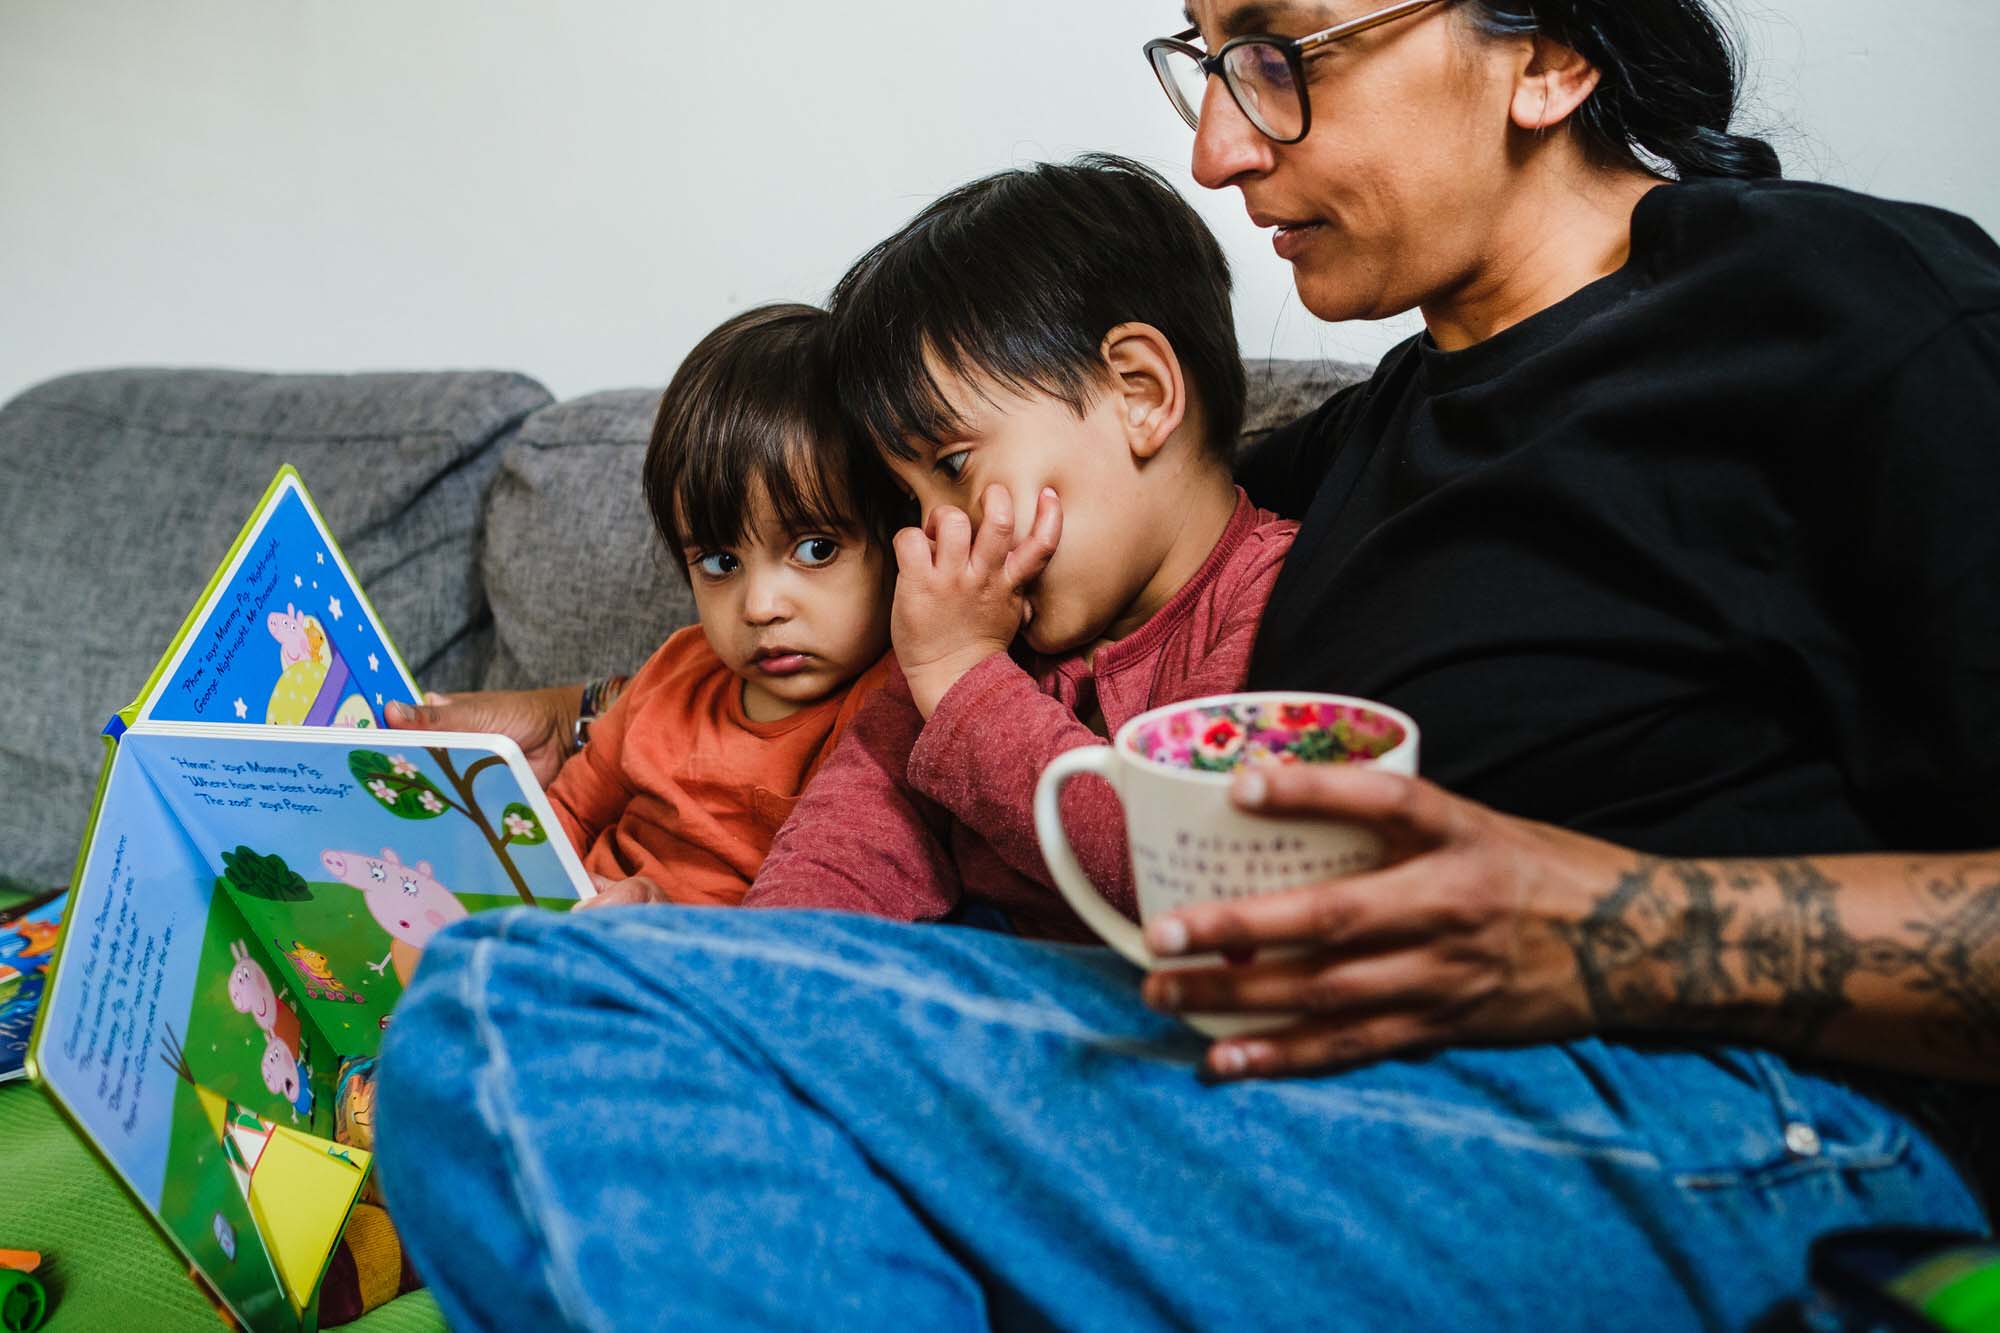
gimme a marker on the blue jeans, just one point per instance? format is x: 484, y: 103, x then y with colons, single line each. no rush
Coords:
x: 664, y: 1116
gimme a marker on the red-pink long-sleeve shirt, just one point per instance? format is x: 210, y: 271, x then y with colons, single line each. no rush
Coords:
x: 906, y: 817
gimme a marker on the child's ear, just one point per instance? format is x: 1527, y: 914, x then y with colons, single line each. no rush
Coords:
x: 1146, y: 382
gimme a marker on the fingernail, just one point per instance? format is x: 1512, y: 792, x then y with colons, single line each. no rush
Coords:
x: 1252, y: 788
x: 1167, y: 936
x: 1229, y: 1059
x: 395, y: 708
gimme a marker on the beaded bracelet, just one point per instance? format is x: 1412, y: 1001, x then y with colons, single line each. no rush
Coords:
x: 598, y: 695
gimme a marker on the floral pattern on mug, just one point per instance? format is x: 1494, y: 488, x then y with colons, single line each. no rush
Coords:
x: 1215, y: 738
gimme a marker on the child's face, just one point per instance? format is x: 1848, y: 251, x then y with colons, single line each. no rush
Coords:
x: 1120, y: 514
x: 797, y: 615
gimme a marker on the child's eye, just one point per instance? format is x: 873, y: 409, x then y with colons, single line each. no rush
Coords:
x: 815, y: 551
x: 953, y: 465
x: 715, y: 564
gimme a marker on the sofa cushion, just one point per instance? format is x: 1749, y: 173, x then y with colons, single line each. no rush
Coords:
x: 124, y: 489
x: 1281, y: 391
x: 578, y: 581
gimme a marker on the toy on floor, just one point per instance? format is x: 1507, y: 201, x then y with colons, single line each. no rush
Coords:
x: 23, y: 1303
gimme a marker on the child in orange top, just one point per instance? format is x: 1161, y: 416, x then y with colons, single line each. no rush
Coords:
x: 781, y: 531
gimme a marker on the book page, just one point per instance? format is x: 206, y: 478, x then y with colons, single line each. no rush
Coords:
x: 243, y: 1061
x: 115, y: 1021
x: 251, y: 906
x: 125, y: 968
x: 346, y: 852
x: 283, y: 636
x: 252, y: 1167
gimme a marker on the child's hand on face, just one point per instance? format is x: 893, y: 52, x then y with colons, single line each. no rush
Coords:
x: 959, y: 597
x: 623, y: 892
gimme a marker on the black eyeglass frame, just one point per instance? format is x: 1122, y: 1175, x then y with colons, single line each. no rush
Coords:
x: 1294, y: 49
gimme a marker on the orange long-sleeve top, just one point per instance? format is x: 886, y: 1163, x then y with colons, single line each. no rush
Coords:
x: 678, y: 783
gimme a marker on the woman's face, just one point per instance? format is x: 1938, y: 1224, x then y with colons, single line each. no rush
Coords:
x: 1392, y: 197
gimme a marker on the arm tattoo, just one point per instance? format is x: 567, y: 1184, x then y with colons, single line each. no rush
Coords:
x: 1761, y: 948
x: 1954, y: 953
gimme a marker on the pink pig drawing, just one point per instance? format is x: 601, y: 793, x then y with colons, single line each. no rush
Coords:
x: 284, y: 1066
x: 289, y: 629
x: 251, y: 992
x: 287, y: 1075
x: 406, y: 901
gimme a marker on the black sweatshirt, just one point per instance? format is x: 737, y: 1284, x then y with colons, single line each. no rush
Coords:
x: 1704, y: 559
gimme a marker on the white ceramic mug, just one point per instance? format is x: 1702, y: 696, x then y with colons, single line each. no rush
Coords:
x: 1171, y: 768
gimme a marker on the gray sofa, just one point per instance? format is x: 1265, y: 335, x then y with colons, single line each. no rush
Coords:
x: 500, y: 533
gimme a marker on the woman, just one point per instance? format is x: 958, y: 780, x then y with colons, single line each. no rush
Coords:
x: 1671, y: 530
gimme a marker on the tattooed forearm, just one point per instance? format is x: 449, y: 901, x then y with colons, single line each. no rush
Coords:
x: 1781, y: 951
x: 1953, y: 950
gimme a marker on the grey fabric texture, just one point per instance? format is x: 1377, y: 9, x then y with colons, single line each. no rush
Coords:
x: 124, y: 489
x: 577, y: 579
x: 576, y: 576
x: 1283, y: 391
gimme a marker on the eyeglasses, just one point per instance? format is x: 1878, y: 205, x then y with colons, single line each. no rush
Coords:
x: 1266, y: 75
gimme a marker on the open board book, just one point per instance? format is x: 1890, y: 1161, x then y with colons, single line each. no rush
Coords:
x: 263, y: 868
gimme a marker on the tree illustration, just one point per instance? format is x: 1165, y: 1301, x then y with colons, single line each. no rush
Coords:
x: 266, y: 877
x: 407, y: 793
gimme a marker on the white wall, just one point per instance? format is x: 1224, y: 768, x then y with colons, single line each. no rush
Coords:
x: 579, y: 189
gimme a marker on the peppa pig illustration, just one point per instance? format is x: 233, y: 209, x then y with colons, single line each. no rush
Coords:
x: 315, y: 686
x: 251, y: 992
x: 291, y: 631
x: 288, y: 1075
x: 406, y: 901
x: 284, y: 1062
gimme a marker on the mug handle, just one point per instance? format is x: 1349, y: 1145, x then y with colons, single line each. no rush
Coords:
x: 1112, y: 925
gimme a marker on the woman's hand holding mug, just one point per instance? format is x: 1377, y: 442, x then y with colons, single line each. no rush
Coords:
x: 1459, y: 936
x: 1392, y: 916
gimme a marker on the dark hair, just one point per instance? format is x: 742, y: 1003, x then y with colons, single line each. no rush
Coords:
x: 1669, y: 75
x: 749, y: 412
x: 1018, y: 276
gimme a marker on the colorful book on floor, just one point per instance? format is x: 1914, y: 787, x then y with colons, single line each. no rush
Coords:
x: 250, y: 900
x: 27, y: 942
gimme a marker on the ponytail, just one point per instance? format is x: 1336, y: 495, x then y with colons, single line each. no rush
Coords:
x: 1668, y: 80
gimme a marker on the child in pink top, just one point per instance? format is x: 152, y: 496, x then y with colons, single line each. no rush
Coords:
x: 1046, y: 361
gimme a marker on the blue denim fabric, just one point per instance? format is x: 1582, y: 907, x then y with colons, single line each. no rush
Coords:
x: 727, y: 1119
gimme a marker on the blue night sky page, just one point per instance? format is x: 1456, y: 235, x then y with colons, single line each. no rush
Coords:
x: 286, y: 639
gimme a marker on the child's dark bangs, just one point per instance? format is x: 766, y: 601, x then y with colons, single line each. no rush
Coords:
x: 717, y: 492
x: 711, y: 507
x: 939, y: 299
x: 802, y: 481
x: 747, y: 418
